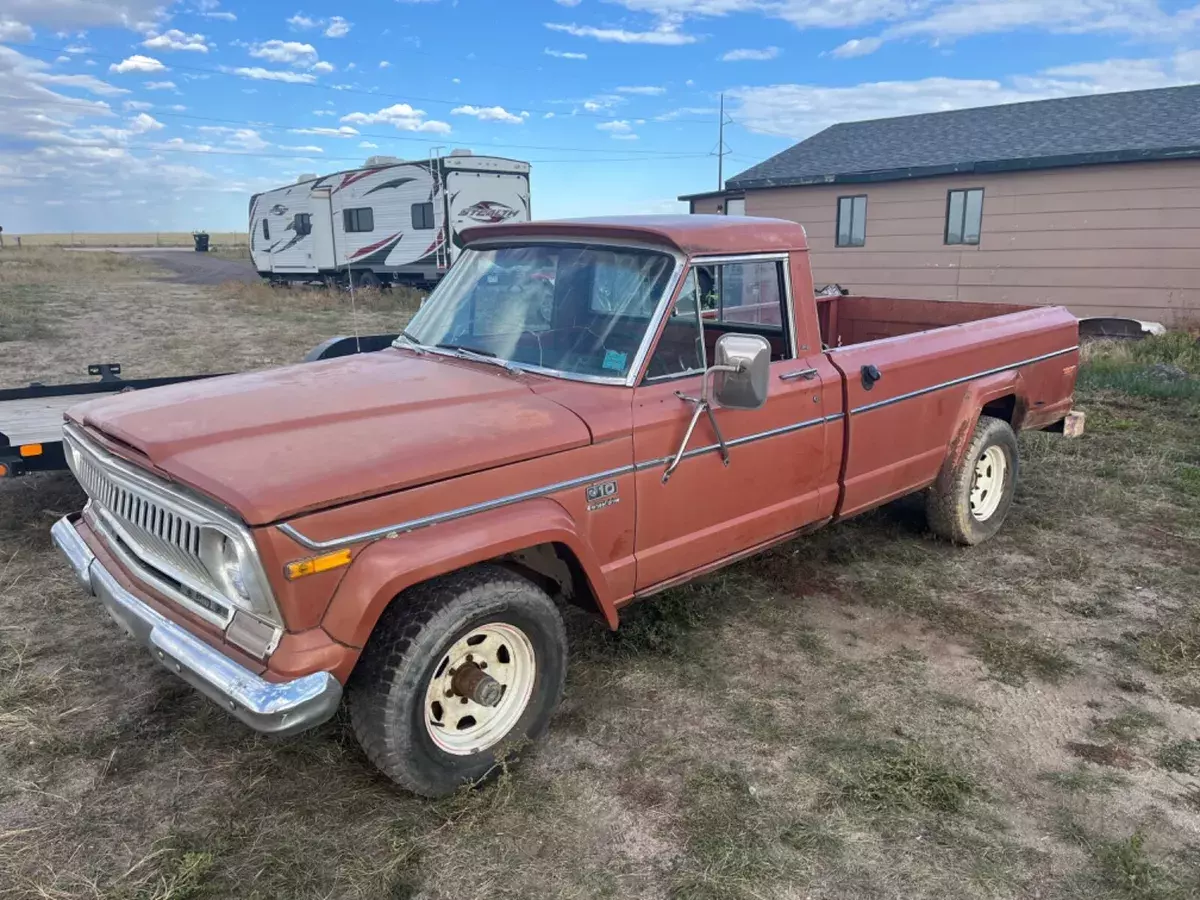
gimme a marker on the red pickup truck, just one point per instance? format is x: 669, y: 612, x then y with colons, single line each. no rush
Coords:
x: 586, y: 411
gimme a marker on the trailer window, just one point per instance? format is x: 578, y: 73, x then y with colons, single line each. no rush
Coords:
x: 266, y: 231
x: 361, y: 219
x: 302, y: 224
x: 964, y: 216
x: 852, y: 221
x: 422, y: 216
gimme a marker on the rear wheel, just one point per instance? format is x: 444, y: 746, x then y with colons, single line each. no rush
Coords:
x: 367, y: 279
x: 969, y: 503
x: 457, y: 671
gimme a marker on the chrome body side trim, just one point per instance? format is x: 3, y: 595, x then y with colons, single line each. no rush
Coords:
x: 438, y: 518
x: 269, y: 707
x: 425, y: 521
x: 956, y: 381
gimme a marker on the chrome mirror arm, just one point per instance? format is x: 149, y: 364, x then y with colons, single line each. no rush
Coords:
x: 703, y: 406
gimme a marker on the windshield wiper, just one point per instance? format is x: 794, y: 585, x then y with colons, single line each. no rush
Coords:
x: 483, y: 356
x: 408, y: 339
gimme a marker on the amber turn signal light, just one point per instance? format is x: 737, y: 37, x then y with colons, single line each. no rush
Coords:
x: 311, y: 566
x: 28, y: 450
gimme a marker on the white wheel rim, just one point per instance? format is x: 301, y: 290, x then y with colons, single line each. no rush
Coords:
x: 987, y: 487
x: 458, y: 724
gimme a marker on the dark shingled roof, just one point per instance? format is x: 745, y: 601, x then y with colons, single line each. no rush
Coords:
x: 1044, y: 134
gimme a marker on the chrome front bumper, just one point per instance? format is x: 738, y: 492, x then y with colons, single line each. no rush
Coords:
x: 270, y: 707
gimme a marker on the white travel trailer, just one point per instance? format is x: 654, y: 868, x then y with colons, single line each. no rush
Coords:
x: 389, y: 221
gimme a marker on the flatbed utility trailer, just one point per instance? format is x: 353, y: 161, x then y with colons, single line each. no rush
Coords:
x: 31, y: 417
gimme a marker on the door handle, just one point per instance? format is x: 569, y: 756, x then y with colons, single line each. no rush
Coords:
x: 870, y: 375
x: 806, y: 374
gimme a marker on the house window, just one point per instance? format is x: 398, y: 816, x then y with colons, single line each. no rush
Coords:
x: 361, y: 219
x: 735, y: 206
x: 422, y: 216
x: 964, y: 216
x: 852, y: 221
x: 266, y: 231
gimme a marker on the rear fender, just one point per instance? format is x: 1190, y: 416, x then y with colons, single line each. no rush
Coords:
x: 978, y: 395
x: 390, y: 565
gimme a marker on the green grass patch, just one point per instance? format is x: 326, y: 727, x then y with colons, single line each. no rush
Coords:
x: 904, y: 778
x: 1014, y: 660
x: 1083, y: 780
x: 1179, y: 756
x: 1127, y: 870
x: 1128, y: 726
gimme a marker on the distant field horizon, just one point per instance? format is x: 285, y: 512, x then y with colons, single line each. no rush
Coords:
x: 120, y: 238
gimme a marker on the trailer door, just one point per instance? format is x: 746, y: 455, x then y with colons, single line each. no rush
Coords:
x: 320, y: 204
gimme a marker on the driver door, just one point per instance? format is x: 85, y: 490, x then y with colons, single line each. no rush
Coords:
x: 708, y: 511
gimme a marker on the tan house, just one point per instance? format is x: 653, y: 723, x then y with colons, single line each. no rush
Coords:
x: 1091, y: 202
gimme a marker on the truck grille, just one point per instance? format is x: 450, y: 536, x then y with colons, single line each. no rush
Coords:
x: 152, y: 533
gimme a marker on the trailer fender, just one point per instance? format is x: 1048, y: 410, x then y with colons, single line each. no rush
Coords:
x: 387, y: 567
x: 978, y: 395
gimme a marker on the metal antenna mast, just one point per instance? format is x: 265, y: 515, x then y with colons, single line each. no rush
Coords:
x: 721, y: 148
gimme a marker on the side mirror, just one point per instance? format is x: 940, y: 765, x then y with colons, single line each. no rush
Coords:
x: 742, y: 371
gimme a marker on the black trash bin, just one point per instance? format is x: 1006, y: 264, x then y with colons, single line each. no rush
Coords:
x: 201, y: 239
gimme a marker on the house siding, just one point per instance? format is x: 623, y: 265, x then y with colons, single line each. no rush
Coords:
x: 1118, y: 239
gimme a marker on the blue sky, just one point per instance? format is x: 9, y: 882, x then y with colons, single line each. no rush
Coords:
x: 122, y: 115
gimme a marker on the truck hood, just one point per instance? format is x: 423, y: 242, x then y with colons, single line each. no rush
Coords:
x: 273, y: 444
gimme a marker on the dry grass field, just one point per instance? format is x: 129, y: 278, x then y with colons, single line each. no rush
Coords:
x: 866, y: 713
x: 125, y: 239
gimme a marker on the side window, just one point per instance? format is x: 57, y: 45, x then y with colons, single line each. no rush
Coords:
x: 748, y: 297
x: 302, y: 224
x: 680, y: 348
x: 422, y: 216
x: 361, y: 219
x: 852, y: 221
x: 964, y: 216
x: 266, y: 230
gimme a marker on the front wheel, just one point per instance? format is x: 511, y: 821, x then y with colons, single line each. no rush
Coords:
x: 457, y: 670
x: 968, y: 504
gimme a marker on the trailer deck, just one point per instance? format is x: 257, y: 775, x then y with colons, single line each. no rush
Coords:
x: 36, y: 420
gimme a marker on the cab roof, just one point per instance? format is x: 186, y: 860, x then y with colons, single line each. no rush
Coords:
x: 696, y: 235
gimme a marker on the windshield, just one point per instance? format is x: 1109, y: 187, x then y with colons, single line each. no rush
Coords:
x: 580, y: 310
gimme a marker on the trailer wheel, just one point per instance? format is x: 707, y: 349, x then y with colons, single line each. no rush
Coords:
x: 968, y: 504
x: 367, y: 280
x: 458, y: 671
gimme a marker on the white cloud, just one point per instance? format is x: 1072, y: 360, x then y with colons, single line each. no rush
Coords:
x: 221, y: 14
x: 857, y: 47
x: 306, y: 148
x: 384, y: 64
x: 400, y: 115
x: 303, y: 22
x: 797, y: 111
x: 14, y: 32
x: 616, y: 126
x: 344, y: 131
x: 179, y: 144
x: 666, y: 33
x: 210, y: 9
x: 322, y: 68
x: 143, y: 123
x: 88, y: 83
x: 567, y: 2
x: 137, y: 63
x: 687, y: 111
x: 367, y: 145
x: 646, y: 90
x: 488, y: 114
x: 290, y: 52
x: 176, y: 40
x: 338, y: 27
x: 564, y: 54
x: 134, y: 105
x: 76, y: 14
x: 324, y: 112
x: 624, y: 137
x: 548, y: 115
x: 159, y: 85
x: 745, y: 55
x: 260, y: 74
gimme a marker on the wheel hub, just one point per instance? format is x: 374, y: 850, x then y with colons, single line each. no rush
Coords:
x: 480, y: 688
x: 987, y: 485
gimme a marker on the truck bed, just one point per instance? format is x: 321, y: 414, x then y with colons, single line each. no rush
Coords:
x: 847, y: 320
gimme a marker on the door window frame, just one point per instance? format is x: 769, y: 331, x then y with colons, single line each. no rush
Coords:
x: 789, y: 312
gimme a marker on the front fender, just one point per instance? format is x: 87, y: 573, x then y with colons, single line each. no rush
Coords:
x: 390, y: 565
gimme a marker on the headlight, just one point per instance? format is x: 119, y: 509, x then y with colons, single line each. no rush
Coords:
x: 230, y: 573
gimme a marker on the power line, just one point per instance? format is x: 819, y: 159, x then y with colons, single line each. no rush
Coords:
x: 306, y: 129
x: 352, y: 90
x: 301, y: 156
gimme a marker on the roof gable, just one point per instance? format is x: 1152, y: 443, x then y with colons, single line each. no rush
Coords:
x: 1136, y: 125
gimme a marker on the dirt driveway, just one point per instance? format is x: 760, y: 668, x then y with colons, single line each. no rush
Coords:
x: 868, y: 713
x: 188, y: 266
